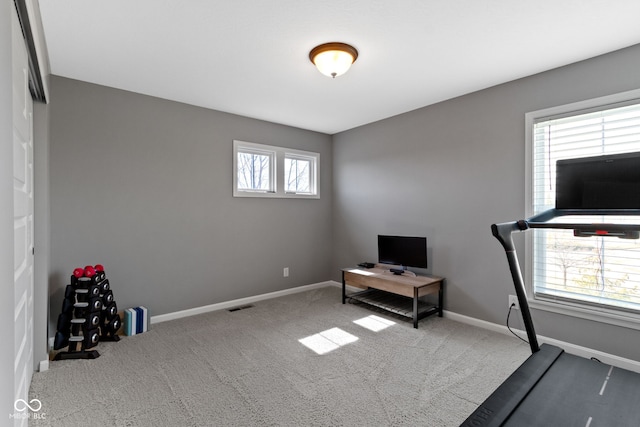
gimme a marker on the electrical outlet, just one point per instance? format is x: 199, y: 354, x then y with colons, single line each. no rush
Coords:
x: 514, y: 300
x: 285, y: 272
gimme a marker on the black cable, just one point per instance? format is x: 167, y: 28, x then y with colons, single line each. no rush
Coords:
x: 516, y: 335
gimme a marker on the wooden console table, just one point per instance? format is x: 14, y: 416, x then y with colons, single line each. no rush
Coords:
x: 399, y: 294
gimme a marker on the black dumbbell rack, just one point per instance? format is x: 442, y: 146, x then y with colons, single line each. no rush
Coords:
x: 89, y: 314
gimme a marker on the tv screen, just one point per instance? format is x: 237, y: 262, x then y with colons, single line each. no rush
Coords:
x: 402, y: 250
x: 602, y: 182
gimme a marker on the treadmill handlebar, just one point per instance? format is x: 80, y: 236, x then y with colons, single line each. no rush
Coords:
x: 503, y: 231
x: 543, y: 220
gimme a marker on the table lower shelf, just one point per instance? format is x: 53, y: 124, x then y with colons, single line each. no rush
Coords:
x: 394, y: 303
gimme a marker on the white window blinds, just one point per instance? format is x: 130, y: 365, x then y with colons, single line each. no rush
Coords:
x: 597, y: 271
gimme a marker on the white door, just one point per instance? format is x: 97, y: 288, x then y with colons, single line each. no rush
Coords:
x: 23, y: 217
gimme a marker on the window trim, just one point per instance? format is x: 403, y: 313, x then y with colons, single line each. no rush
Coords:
x: 573, y: 309
x: 277, y: 171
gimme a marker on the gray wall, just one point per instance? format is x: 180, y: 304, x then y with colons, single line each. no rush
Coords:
x: 449, y: 171
x: 7, y: 303
x: 144, y: 186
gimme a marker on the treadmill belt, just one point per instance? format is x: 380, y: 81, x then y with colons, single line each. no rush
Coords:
x: 582, y: 393
x: 553, y: 388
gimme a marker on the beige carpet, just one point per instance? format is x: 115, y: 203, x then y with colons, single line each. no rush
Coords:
x: 250, y: 368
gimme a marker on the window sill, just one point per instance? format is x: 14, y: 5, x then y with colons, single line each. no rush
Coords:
x: 596, y: 314
x: 276, y: 195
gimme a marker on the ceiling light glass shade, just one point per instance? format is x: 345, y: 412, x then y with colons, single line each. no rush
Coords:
x: 333, y: 59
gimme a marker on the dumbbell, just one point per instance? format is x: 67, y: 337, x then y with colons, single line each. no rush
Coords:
x: 107, y: 297
x: 110, y: 310
x: 89, y: 271
x: 92, y: 321
x: 84, y: 282
x: 100, y: 276
x: 68, y: 304
x: 61, y: 340
x: 82, y: 295
x: 94, y: 290
x: 70, y: 291
x: 91, y: 338
x: 112, y: 326
x: 88, y: 340
x: 104, y: 286
x: 85, y: 294
x: 93, y: 305
x: 64, y: 322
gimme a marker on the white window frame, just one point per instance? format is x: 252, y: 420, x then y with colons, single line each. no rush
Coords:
x: 313, y: 160
x: 260, y: 151
x: 574, y: 309
x: 276, y: 169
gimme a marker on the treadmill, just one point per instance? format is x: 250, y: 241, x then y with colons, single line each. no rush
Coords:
x: 554, y: 388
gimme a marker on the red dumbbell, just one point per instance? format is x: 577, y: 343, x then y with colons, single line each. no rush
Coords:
x: 99, y: 267
x: 78, y: 272
x: 89, y: 271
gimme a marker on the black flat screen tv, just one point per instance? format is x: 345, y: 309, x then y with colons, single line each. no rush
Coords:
x: 602, y: 182
x: 403, y: 251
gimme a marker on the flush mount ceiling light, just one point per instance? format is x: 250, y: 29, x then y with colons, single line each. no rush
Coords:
x: 333, y: 59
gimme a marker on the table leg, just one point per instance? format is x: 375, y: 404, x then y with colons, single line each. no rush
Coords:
x: 415, y: 308
x: 440, y: 298
x: 344, y: 289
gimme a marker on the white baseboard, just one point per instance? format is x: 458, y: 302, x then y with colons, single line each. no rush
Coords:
x: 609, y: 359
x: 339, y: 285
x: 234, y: 303
x: 43, y: 365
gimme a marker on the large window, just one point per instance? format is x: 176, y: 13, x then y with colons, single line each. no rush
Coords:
x: 269, y: 171
x: 595, y: 275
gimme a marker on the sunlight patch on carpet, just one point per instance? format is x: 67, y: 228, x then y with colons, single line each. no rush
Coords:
x: 329, y: 340
x: 374, y: 323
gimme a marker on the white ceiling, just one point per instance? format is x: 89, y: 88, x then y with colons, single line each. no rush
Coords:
x: 250, y: 57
